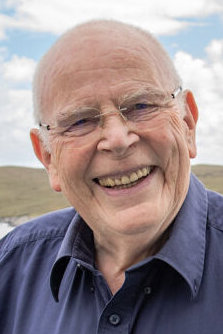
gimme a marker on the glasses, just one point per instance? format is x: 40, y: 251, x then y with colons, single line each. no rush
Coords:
x: 82, y: 124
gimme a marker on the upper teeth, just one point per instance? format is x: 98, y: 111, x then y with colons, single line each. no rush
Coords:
x: 125, y: 179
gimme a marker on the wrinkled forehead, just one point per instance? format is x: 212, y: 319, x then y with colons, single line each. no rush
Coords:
x: 91, y: 48
x: 85, y: 55
x: 114, y: 44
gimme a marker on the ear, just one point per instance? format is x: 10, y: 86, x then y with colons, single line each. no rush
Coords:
x: 190, y: 118
x: 45, y: 158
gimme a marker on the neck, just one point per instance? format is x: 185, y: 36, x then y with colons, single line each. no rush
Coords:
x: 114, y: 256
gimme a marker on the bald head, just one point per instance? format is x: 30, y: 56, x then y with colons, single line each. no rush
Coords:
x: 79, y: 49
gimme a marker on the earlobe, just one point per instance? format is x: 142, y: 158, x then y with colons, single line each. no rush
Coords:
x: 191, y: 118
x: 45, y: 158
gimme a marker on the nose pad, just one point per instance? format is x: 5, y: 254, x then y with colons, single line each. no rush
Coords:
x: 104, y: 115
x: 116, y: 136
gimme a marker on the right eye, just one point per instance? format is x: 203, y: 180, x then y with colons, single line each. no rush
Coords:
x: 81, y: 126
x: 79, y: 123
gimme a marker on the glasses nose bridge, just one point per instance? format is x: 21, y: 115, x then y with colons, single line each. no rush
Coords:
x: 104, y: 115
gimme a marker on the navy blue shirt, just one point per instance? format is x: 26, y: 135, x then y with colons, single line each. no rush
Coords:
x: 49, y: 284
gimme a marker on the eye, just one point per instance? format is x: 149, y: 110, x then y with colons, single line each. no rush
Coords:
x: 139, y: 106
x: 81, y: 123
x: 80, y: 127
x: 135, y: 107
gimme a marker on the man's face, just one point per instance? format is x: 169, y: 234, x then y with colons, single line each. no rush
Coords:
x: 155, y: 159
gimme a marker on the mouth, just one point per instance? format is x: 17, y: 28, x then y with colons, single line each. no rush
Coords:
x: 126, y: 180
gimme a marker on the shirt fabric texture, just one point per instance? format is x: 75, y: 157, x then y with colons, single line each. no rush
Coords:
x: 49, y: 283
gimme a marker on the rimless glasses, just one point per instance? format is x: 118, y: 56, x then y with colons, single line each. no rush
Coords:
x: 82, y: 123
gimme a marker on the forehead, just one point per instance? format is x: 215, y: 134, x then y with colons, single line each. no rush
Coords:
x: 95, y: 66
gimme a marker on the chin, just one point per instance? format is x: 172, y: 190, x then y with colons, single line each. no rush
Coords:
x: 133, y: 224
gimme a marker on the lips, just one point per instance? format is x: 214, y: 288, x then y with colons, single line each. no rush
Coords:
x: 126, y: 180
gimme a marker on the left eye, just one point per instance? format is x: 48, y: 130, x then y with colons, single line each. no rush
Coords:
x: 140, y: 106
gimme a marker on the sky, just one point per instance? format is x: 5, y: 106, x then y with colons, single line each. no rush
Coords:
x: 191, y: 31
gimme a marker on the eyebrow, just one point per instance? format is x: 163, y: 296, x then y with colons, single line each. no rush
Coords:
x: 146, y: 93
x: 149, y: 94
x: 69, y: 114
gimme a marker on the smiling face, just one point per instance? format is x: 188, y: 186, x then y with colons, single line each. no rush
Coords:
x: 127, y: 180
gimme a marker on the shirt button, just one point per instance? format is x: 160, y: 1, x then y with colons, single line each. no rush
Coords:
x: 147, y: 290
x: 79, y: 266
x: 114, y: 319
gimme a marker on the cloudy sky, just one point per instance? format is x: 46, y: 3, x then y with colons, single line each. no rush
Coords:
x: 191, y: 31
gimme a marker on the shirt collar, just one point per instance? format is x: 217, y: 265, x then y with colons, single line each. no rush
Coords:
x: 78, y: 243
x: 184, y: 250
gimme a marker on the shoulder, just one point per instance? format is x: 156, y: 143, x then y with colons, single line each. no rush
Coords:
x: 215, y: 210
x: 49, y: 226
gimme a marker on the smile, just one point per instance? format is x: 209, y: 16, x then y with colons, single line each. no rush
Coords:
x: 125, y: 181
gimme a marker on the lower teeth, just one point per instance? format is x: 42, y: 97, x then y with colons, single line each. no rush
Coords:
x: 124, y: 186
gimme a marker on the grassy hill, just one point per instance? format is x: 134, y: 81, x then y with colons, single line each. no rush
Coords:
x: 210, y: 175
x: 26, y: 191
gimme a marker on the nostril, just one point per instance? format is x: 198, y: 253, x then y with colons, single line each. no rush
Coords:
x: 117, y: 148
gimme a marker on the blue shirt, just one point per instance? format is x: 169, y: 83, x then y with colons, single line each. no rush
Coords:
x: 49, y: 284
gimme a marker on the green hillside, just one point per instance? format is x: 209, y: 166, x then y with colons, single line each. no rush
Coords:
x: 210, y: 175
x: 26, y: 191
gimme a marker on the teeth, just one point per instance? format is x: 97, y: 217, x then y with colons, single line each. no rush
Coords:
x: 139, y: 174
x: 133, y: 177
x: 118, y: 182
x: 125, y: 180
x: 144, y: 171
x: 110, y: 182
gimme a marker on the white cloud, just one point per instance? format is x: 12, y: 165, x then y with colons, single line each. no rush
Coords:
x: 205, y: 78
x: 15, y: 111
x: 16, y: 120
x: 215, y: 50
x: 19, y: 69
x: 190, y: 8
x: 54, y: 16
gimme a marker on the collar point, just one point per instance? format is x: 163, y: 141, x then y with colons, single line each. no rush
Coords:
x: 56, y: 276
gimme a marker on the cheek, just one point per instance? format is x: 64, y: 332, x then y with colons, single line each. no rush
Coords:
x: 73, y: 166
x: 169, y: 143
x: 179, y: 169
x: 163, y: 140
x: 174, y: 135
x: 179, y: 130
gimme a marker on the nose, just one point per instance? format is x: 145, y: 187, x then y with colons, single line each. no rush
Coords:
x: 116, y: 136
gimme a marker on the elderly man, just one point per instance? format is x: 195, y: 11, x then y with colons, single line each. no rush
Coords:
x: 142, y: 250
